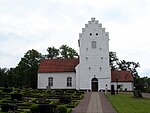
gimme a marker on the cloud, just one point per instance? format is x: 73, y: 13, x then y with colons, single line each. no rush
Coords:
x: 39, y: 24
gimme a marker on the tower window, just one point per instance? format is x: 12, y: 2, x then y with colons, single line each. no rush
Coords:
x: 90, y: 34
x: 93, y: 44
x: 96, y: 34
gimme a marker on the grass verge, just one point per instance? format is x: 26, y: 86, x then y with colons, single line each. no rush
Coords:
x: 126, y: 103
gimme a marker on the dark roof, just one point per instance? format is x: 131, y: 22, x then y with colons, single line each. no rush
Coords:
x: 123, y: 76
x: 58, y: 65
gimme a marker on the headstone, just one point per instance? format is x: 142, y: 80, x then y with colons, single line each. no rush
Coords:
x: 48, y: 88
x: 112, y: 90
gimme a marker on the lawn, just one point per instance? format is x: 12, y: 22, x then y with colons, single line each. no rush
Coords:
x: 126, y: 103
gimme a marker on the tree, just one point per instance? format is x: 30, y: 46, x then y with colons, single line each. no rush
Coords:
x: 52, y: 52
x: 113, y: 60
x: 67, y: 52
x: 129, y: 66
x: 27, y: 68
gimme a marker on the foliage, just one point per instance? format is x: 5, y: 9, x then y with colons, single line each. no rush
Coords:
x: 113, y: 60
x: 34, y: 108
x: 143, y: 84
x: 125, y: 103
x: 26, y: 71
x: 67, y: 52
x: 52, y: 52
x: 129, y: 66
x: 61, y: 109
x: 5, y: 77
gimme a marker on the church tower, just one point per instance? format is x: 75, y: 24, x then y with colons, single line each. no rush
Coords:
x: 93, y: 71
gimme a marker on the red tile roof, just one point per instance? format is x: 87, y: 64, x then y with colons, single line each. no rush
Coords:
x: 123, y: 76
x: 58, y: 65
x: 68, y: 65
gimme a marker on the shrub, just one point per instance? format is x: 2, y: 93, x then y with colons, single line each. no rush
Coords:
x: 8, y: 90
x: 8, y: 107
x: 46, y: 108
x: 34, y: 108
x: 69, y: 110
x: 65, y: 100
x: 61, y: 109
x: 16, y: 97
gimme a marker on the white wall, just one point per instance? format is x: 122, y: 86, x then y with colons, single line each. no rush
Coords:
x: 96, y: 57
x: 126, y: 85
x: 59, y: 80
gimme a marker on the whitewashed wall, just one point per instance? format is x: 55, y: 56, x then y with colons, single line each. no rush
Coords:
x: 94, y: 62
x: 125, y: 85
x: 59, y: 80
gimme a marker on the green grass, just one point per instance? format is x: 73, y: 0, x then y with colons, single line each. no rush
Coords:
x: 126, y: 103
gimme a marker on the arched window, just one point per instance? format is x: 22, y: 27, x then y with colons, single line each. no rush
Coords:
x: 93, y: 44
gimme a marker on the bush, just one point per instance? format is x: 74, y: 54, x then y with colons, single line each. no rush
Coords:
x: 61, y: 109
x: 46, y: 108
x: 16, y: 97
x: 7, y: 107
x: 7, y: 90
x: 65, y: 100
x: 69, y: 110
x: 34, y: 108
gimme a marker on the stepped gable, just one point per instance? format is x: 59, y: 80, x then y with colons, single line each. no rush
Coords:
x: 123, y: 76
x: 58, y: 65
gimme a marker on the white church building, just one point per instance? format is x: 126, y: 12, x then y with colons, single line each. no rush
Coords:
x: 91, y: 71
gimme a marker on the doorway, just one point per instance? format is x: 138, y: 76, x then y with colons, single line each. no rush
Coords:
x: 94, y: 83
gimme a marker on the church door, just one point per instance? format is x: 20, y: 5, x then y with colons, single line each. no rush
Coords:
x: 94, y: 85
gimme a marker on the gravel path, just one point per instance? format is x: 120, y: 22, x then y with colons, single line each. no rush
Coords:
x: 83, y: 105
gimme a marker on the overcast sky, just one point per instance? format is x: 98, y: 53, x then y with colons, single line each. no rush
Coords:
x: 39, y: 24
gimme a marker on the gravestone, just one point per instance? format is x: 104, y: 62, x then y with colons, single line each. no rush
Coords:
x: 112, y: 90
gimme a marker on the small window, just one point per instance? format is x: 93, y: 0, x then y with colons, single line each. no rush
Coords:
x: 86, y: 58
x: 93, y: 44
x: 96, y: 34
x: 50, y: 81
x: 90, y: 34
x: 69, y: 81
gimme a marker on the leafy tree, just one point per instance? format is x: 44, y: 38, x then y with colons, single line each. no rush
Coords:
x: 132, y: 67
x: 27, y: 68
x: 129, y: 66
x: 68, y: 52
x: 52, y: 52
x: 113, y: 60
x: 3, y: 76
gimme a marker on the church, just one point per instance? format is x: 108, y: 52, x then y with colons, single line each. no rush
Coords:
x: 91, y: 71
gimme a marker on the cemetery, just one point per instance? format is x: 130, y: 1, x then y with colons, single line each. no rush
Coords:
x: 27, y: 100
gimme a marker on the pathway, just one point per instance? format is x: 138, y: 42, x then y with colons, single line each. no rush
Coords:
x: 94, y: 102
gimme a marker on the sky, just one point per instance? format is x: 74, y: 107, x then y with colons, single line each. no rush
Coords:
x: 39, y: 24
